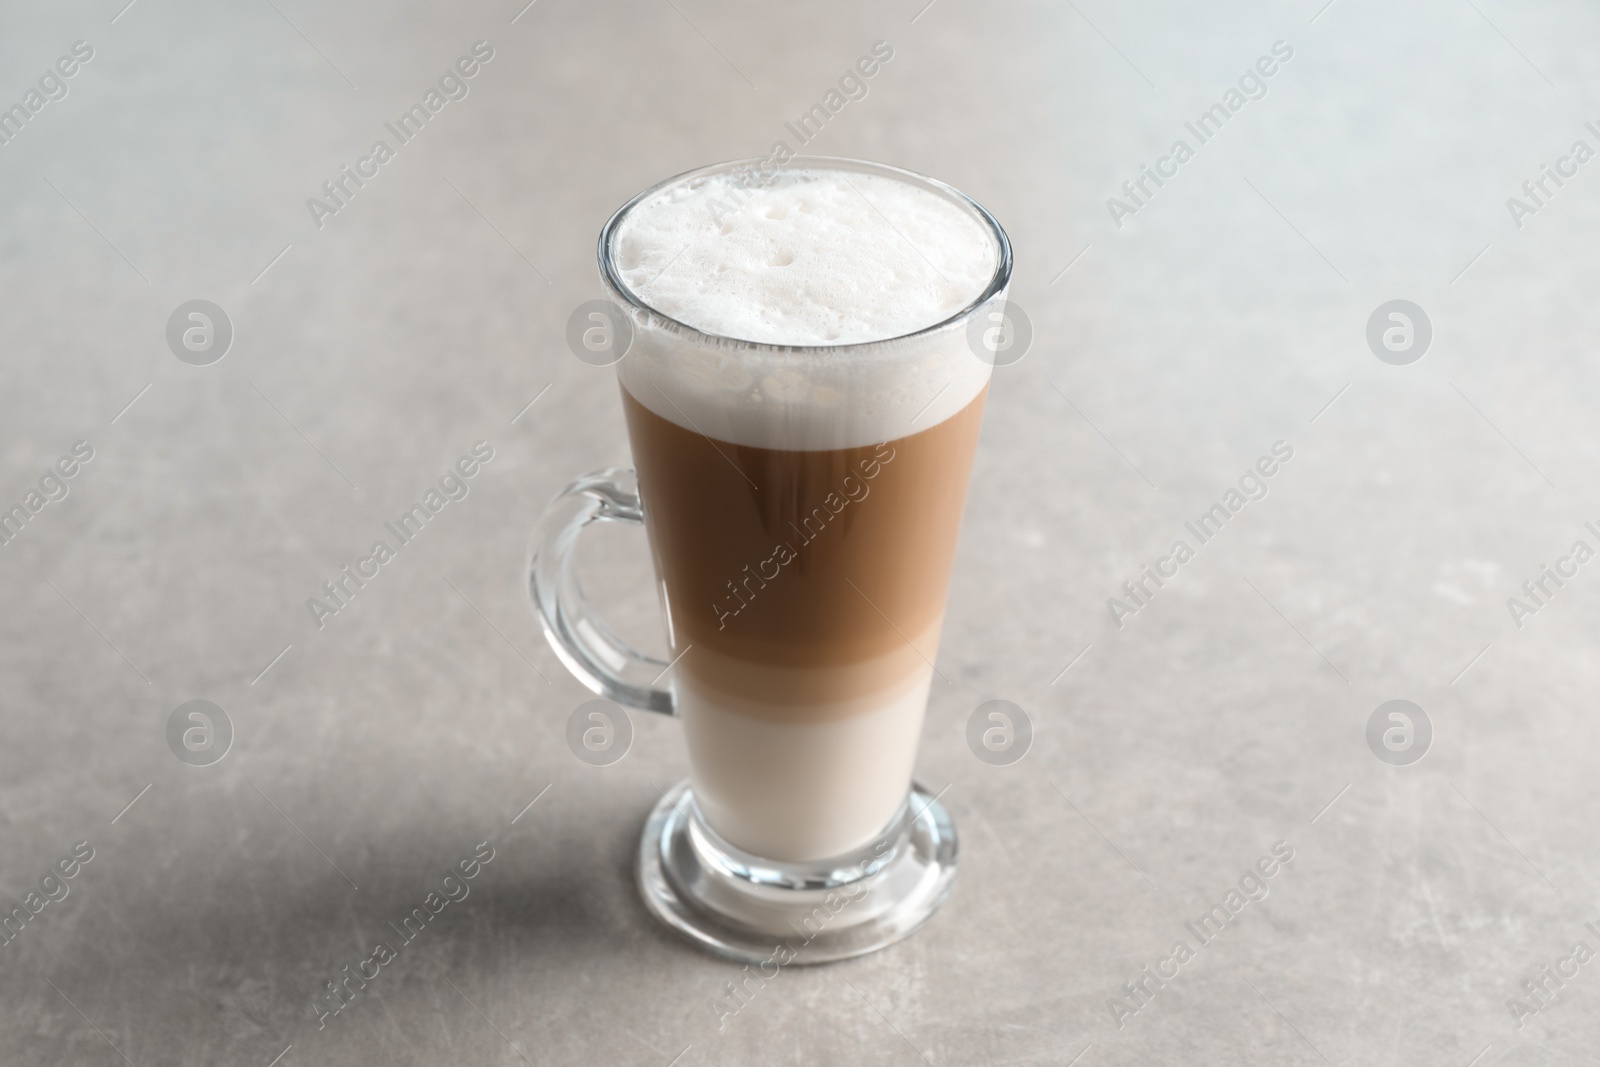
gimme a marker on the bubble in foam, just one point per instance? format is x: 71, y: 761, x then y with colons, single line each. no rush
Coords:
x: 815, y: 257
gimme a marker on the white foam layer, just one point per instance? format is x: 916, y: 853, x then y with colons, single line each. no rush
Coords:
x: 815, y: 258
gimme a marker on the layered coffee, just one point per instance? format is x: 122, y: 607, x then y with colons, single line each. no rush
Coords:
x: 802, y: 453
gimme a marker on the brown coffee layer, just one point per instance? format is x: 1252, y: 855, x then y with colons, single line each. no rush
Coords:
x: 803, y: 560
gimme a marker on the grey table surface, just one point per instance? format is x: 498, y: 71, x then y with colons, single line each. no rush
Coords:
x: 1174, y: 344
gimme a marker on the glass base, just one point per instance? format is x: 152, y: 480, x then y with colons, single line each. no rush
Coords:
x: 754, y: 911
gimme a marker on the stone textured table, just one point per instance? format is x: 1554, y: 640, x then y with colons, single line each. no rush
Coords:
x: 1178, y: 335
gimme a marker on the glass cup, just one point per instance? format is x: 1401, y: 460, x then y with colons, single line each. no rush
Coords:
x: 802, y: 504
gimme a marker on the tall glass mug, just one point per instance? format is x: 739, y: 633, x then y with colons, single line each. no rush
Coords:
x: 802, y: 503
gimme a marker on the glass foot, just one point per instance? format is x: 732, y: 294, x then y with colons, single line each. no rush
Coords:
x: 754, y: 910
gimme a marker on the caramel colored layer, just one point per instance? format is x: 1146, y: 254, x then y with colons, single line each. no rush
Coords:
x: 788, y: 693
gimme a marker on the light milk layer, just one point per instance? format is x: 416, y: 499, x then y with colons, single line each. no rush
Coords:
x: 800, y: 791
x: 795, y: 789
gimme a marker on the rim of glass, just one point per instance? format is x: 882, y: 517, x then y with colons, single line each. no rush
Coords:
x: 612, y: 277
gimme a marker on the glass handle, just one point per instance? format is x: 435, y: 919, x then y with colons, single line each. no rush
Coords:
x: 591, y: 650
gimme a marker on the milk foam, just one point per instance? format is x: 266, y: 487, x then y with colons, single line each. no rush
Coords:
x: 813, y: 257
